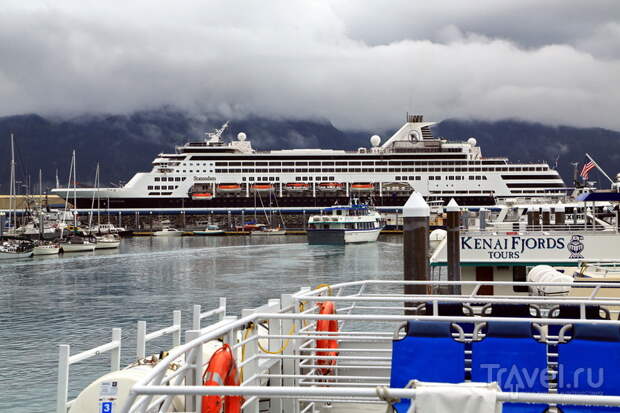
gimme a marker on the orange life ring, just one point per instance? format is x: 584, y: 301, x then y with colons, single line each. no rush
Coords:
x: 222, y: 370
x: 328, y: 307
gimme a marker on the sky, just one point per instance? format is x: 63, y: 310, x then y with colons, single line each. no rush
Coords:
x: 361, y: 64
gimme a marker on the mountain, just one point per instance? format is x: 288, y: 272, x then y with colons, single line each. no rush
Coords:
x: 126, y: 144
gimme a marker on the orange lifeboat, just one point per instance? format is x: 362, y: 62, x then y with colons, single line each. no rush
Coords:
x: 228, y: 188
x: 262, y: 188
x: 202, y: 196
x: 297, y: 186
x: 330, y: 186
x: 362, y: 187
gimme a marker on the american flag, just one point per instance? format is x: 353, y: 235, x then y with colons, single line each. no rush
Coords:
x: 586, y: 169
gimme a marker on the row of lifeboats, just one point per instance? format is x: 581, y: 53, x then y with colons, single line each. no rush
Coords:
x: 290, y: 187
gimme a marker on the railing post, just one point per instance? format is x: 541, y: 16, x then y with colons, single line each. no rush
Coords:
x: 196, y: 317
x: 222, y: 304
x: 194, y: 375
x: 250, y: 369
x: 176, y: 321
x: 62, y: 392
x: 141, y: 340
x: 115, y: 355
x: 454, y: 243
x: 275, y: 328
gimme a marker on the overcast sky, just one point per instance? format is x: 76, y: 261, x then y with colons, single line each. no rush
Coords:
x: 359, y: 63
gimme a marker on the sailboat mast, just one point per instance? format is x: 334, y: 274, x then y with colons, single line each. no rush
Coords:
x: 13, y: 191
x: 40, y: 190
x: 74, y: 190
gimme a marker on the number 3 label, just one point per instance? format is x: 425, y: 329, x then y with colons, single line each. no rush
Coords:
x: 106, y: 407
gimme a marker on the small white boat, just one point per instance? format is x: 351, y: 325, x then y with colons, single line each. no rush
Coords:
x: 210, y: 230
x: 355, y: 223
x: 168, y: 232
x: 269, y: 231
x: 107, y: 241
x: 46, y: 249
x: 77, y: 244
x: 12, y: 250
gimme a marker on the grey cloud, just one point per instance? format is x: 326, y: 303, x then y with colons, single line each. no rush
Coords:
x: 361, y: 64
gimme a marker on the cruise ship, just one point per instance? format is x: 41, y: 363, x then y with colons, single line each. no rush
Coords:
x: 215, y: 174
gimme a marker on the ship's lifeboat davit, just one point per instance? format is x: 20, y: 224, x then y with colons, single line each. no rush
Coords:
x: 262, y: 188
x: 229, y: 188
x: 297, y: 186
x: 330, y: 186
x: 202, y: 196
x: 362, y: 187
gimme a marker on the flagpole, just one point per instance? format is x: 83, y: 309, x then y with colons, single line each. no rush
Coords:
x: 600, y: 169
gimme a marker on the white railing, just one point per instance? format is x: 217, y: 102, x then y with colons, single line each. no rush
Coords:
x: 284, y: 353
x: 114, y: 347
x: 142, y: 337
x: 65, y: 360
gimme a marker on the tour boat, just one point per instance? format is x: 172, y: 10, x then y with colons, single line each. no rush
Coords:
x: 354, y: 223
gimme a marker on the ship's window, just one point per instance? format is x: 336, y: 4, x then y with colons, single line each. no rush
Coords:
x: 302, y: 170
x: 354, y: 163
x: 431, y: 178
x: 288, y: 163
x: 301, y: 163
x: 156, y: 186
x: 341, y: 163
x: 366, y: 163
x: 247, y: 164
x: 275, y: 163
x: 277, y: 178
x: 397, y: 178
x: 150, y: 187
x: 251, y: 178
x: 184, y: 178
x: 156, y: 179
x: 329, y: 163
x: 234, y: 164
x: 331, y: 178
x: 314, y: 163
x: 338, y: 212
x: 176, y: 186
x: 261, y: 163
x: 220, y: 164
x: 243, y: 179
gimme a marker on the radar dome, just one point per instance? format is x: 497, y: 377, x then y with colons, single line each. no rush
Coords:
x: 241, y: 136
x: 375, y: 140
x: 472, y: 141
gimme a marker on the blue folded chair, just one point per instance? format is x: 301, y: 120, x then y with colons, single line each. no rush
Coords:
x: 590, y: 364
x: 511, y: 356
x: 427, y: 353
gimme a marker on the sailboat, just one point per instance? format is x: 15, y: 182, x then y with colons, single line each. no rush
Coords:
x: 74, y: 242
x: 107, y: 240
x: 12, y: 249
x: 267, y: 229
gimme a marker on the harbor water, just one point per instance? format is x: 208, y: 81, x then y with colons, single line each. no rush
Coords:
x: 78, y: 298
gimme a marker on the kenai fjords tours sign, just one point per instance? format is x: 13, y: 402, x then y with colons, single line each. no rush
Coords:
x: 541, y: 247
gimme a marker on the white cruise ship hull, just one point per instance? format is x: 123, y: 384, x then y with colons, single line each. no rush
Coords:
x: 342, y: 236
x: 14, y: 255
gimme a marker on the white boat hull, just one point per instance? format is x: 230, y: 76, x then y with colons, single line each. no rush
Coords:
x: 46, y: 251
x: 14, y: 255
x: 342, y: 236
x: 77, y: 247
x: 209, y: 233
x: 167, y: 233
x: 102, y: 245
x: 276, y: 232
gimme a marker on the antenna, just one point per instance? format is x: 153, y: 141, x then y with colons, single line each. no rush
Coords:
x: 217, y: 133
